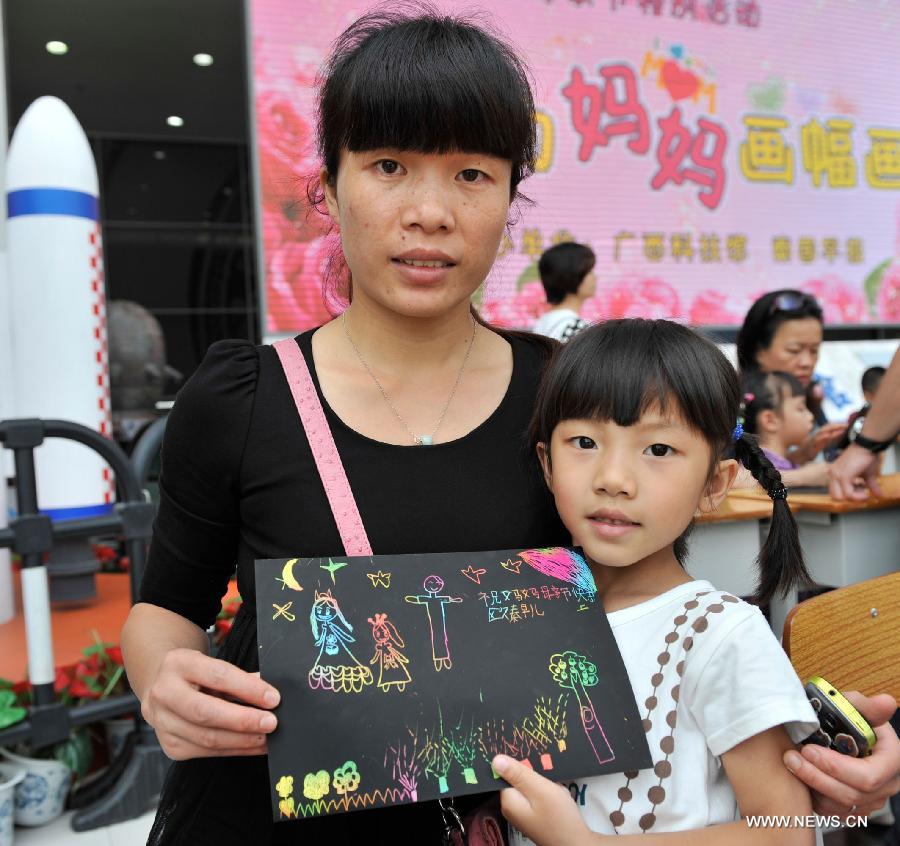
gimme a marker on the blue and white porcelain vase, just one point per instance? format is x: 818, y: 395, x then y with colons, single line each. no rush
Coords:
x: 40, y: 796
x: 9, y: 778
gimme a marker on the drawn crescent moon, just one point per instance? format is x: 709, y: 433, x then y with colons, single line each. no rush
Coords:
x: 287, y: 575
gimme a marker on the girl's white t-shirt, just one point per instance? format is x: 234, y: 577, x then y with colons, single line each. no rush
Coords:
x: 707, y: 674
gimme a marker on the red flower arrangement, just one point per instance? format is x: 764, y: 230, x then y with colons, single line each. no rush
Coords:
x: 225, y: 619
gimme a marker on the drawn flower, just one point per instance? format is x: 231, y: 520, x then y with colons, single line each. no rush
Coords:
x: 346, y: 778
x: 285, y: 786
x: 315, y: 785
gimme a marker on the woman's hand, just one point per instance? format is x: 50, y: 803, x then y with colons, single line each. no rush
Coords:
x: 844, y: 786
x: 188, y: 705
x: 844, y: 474
x: 541, y: 809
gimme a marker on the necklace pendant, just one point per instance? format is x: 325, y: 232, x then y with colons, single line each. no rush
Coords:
x: 424, y: 440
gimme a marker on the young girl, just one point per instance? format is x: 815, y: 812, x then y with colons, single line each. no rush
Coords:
x: 631, y: 450
x: 775, y: 410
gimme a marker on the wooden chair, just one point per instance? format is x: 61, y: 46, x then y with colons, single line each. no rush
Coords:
x: 850, y: 636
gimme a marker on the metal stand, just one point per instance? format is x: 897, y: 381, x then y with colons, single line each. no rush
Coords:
x: 135, y: 778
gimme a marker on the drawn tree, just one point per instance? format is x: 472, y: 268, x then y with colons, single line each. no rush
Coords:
x: 284, y: 789
x: 405, y: 764
x: 315, y: 785
x: 346, y: 781
x: 574, y: 672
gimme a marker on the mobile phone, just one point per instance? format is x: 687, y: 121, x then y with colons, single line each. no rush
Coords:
x: 841, y: 726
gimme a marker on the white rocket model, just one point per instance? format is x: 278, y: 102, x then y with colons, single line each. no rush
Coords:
x: 57, y: 302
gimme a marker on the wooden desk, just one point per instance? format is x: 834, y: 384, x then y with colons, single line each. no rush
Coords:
x: 72, y: 626
x: 843, y: 541
x: 724, y: 544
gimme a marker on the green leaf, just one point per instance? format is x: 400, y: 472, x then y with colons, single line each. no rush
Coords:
x: 529, y: 274
x: 10, y: 713
x: 872, y: 283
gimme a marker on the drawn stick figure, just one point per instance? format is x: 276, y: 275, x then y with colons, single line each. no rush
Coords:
x: 434, y: 604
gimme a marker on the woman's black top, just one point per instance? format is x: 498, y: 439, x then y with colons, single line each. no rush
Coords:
x: 239, y: 482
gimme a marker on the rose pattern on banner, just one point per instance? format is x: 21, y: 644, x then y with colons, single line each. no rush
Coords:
x: 659, y: 57
x: 841, y: 302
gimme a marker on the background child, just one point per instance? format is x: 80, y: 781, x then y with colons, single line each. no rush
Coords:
x: 871, y: 379
x: 775, y: 410
x: 631, y: 423
x: 567, y: 274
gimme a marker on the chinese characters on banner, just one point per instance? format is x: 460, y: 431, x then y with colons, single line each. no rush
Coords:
x: 701, y: 148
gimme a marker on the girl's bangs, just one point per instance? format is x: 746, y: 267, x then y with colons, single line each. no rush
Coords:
x: 621, y: 370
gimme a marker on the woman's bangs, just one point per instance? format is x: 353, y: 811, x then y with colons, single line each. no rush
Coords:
x: 428, y: 110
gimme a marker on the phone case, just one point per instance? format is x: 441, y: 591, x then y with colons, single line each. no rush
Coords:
x: 841, y: 726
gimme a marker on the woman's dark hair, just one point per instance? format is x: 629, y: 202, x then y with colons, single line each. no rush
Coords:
x: 411, y: 77
x: 563, y: 268
x: 765, y: 316
x: 766, y: 392
x: 619, y: 369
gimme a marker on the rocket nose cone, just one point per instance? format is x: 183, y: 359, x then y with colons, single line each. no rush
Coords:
x: 50, y: 150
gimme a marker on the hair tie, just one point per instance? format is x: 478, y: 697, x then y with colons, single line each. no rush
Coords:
x: 779, y: 493
x: 749, y: 397
x: 738, y: 430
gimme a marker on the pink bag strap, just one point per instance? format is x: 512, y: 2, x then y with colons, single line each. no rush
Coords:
x: 321, y: 441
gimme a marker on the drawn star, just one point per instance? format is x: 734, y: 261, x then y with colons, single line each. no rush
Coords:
x: 380, y: 579
x: 475, y: 575
x: 332, y: 567
x: 512, y: 566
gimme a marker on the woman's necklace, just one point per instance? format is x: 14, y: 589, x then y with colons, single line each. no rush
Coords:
x: 418, y: 440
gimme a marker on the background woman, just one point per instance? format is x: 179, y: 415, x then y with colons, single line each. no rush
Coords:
x: 783, y: 331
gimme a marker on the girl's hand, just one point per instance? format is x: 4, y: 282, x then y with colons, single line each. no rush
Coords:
x: 187, y: 704
x: 541, y: 809
x: 845, y: 786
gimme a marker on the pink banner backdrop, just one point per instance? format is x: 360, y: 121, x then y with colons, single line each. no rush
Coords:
x: 707, y: 151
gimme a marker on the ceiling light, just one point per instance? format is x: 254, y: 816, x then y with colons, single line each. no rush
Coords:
x: 57, y: 48
x: 203, y: 60
x: 174, y: 120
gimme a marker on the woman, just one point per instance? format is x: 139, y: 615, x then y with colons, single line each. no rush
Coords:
x: 421, y: 161
x: 783, y: 331
x: 567, y: 274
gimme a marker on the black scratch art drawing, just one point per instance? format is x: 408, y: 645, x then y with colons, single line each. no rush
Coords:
x: 402, y: 676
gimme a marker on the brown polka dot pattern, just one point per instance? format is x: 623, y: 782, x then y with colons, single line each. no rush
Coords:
x: 662, y: 769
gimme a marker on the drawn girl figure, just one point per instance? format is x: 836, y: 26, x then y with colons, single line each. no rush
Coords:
x: 434, y: 606
x: 391, y: 662
x: 332, y: 635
